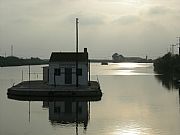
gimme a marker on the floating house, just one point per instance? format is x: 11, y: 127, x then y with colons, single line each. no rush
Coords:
x: 68, y: 75
x: 62, y: 68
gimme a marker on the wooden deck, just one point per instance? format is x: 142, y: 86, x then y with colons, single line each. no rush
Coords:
x: 41, y: 89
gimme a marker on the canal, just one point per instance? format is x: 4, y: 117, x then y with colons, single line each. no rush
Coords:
x: 135, y: 101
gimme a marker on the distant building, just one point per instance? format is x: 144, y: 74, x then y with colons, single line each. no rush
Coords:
x: 117, y: 57
x: 120, y: 58
x: 62, y: 68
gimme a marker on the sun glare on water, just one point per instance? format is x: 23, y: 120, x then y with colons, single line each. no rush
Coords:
x: 129, y: 65
x: 128, y: 68
x: 131, y: 129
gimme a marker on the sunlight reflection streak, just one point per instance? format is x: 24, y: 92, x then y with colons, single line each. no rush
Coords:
x: 131, y: 129
x: 125, y: 69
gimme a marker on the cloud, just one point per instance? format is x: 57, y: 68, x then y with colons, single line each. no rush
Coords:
x: 159, y: 10
x: 108, y: 24
x: 128, y: 19
x: 88, y: 19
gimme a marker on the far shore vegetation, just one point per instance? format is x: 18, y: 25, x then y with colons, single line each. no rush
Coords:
x: 15, y: 61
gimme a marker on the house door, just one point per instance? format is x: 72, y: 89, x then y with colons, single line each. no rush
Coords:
x: 68, y: 75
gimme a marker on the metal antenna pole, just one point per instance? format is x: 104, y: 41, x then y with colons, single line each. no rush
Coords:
x: 77, y: 81
x: 172, y: 48
x: 11, y: 50
x: 179, y: 44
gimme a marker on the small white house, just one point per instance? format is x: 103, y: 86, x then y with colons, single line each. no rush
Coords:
x: 62, y: 68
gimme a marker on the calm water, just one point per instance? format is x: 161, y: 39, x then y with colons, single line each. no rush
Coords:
x: 135, y: 102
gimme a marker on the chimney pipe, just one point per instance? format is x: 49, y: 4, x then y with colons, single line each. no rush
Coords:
x: 85, y: 50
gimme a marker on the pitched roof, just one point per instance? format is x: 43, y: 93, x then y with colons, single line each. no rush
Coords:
x: 68, y: 57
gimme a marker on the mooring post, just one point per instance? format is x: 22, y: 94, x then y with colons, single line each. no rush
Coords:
x: 89, y: 111
x: 29, y: 111
x: 22, y: 75
x: 29, y: 73
x: 89, y: 68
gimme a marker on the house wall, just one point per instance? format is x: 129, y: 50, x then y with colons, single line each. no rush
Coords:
x: 60, y: 80
x: 45, y: 74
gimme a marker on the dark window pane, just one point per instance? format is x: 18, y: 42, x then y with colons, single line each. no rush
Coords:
x: 57, y: 109
x: 57, y: 71
x: 79, y: 72
x: 80, y: 109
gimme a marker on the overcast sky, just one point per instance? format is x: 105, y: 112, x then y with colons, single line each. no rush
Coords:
x: 128, y: 27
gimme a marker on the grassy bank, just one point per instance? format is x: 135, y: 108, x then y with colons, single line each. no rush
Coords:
x: 15, y: 61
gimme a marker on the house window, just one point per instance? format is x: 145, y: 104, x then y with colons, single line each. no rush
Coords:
x: 80, y: 109
x: 57, y: 109
x: 79, y: 71
x: 57, y: 71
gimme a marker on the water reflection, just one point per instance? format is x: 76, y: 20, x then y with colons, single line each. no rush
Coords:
x: 73, y: 111
x: 170, y: 81
x: 131, y: 105
x: 130, y: 129
x: 68, y: 111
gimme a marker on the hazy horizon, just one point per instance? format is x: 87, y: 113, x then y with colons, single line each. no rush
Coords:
x: 128, y: 27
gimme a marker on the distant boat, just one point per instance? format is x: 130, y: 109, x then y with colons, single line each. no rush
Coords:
x: 104, y: 63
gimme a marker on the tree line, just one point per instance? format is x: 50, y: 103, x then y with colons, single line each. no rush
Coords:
x: 167, y: 63
x: 15, y: 61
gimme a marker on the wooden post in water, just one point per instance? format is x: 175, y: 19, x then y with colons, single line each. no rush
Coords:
x: 29, y: 111
x: 29, y: 75
x: 89, y: 111
x: 179, y: 99
x: 77, y: 117
x: 22, y: 76
x: 89, y: 68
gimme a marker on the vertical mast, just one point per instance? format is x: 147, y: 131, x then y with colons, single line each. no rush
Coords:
x: 11, y: 50
x: 179, y: 44
x: 77, y: 52
x: 77, y: 35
